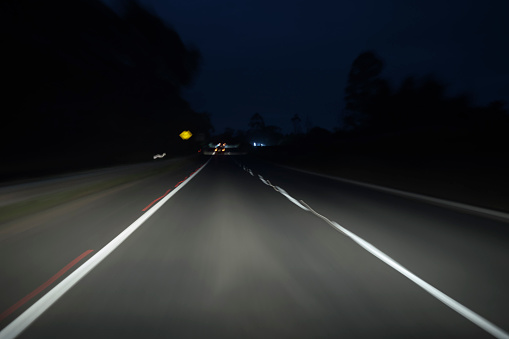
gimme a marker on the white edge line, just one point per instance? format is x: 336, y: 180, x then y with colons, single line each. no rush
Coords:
x: 444, y: 298
x: 456, y: 306
x: 437, y: 201
x: 24, y: 320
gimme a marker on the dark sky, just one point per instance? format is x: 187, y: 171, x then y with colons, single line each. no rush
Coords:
x: 281, y: 57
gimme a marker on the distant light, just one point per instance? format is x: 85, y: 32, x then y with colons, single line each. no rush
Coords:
x: 254, y: 144
x: 159, y: 155
x: 185, y: 135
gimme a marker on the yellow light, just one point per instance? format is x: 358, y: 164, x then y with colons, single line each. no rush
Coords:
x: 186, y: 135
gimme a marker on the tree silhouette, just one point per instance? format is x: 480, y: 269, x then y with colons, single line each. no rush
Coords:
x: 363, y: 80
x: 256, y: 122
x: 273, y: 135
x: 261, y: 133
x: 84, y: 80
x: 169, y: 59
x: 296, y: 124
x: 379, y: 113
x: 418, y: 114
x: 308, y: 123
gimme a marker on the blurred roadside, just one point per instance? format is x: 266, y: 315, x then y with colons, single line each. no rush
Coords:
x: 25, y: 197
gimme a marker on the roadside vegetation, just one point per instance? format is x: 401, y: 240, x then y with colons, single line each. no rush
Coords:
x: 56, y: 197
x: 413, y: 136
x: 84, y: 87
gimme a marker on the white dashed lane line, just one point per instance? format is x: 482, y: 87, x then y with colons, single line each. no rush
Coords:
x: 453, y: 304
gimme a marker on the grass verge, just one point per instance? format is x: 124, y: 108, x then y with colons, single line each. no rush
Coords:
x: 41, y: 203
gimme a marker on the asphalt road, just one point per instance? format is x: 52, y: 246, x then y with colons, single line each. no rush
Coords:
x: 230, y: 257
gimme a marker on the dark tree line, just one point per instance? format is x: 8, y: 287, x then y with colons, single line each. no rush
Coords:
x: 261, y: 133
x: 257, y: 132
x: 418, y: 110
x: 79, y: 79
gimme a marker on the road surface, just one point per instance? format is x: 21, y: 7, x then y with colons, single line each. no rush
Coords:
x: 229, y: 256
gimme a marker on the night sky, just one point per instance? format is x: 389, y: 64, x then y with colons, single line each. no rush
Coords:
x: 283, y: 57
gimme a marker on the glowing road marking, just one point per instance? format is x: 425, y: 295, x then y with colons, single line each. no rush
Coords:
x: 156, y: 200
x: 41, y: 288
x: 456, y: 306
x: 453, y: 304
x: 33, y: 312
x: 165, y: 194
x: 159, y: 155
x: 261, y: 178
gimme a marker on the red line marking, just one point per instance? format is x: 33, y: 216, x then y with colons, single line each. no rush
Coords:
x: 168, y: 191
x: 153, y: 202
x: 41, y: 288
